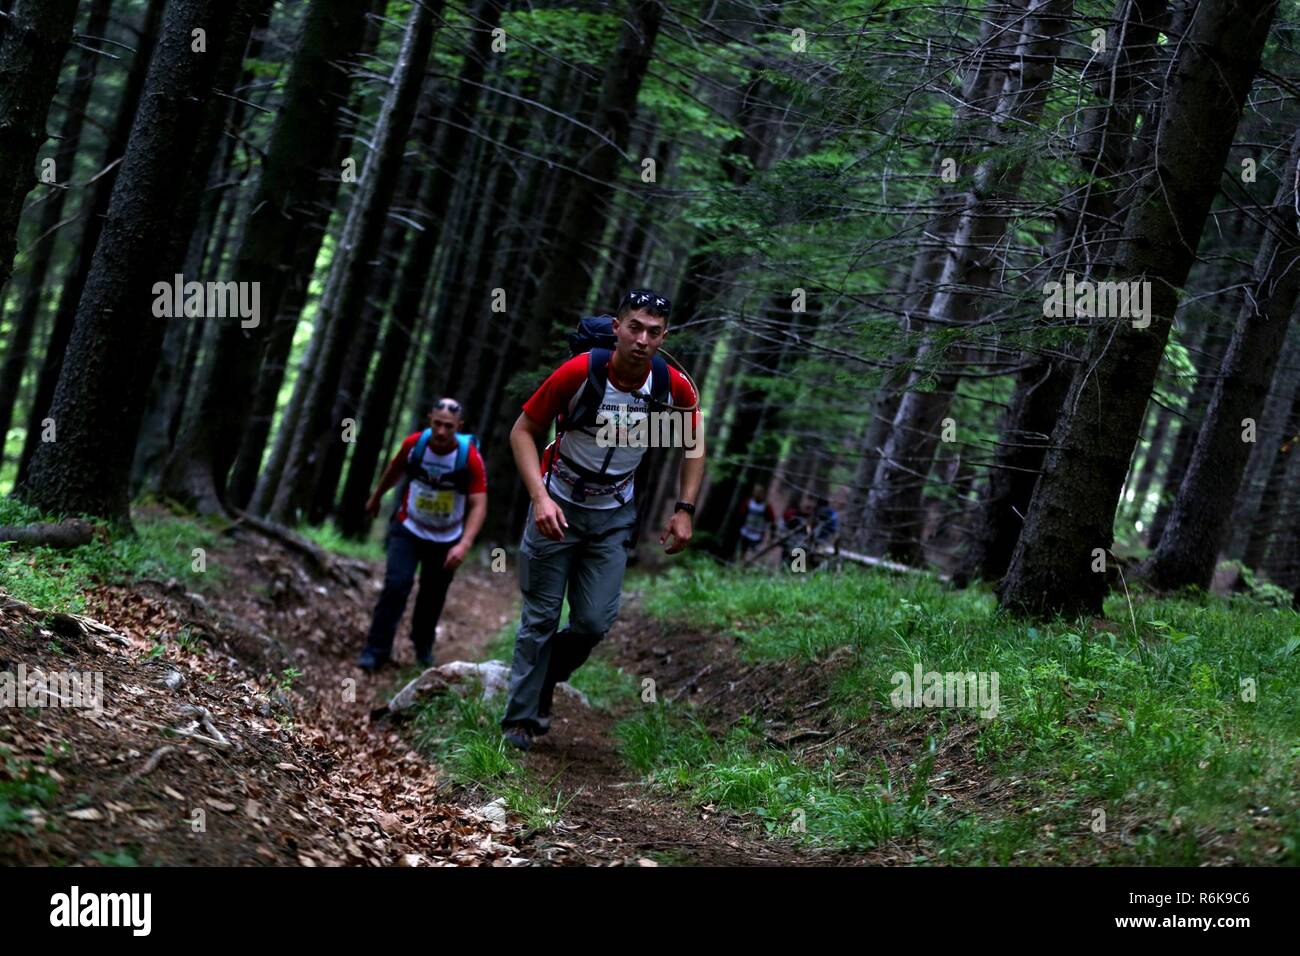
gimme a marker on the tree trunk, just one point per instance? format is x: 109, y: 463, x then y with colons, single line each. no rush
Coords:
x: 1251, y: 507
x: 278, y: 246
x: 341, y: 312
x: 32, y: 43
x: 96, y: 205
x: 1073, y: 511
x: 34, y: 293
x: 1212, y: 349
x: 1198, y: 522
x: 894, y: 515
x: 116, y: 339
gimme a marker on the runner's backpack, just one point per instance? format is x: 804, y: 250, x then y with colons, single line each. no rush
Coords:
x: 595, y: 334
x: 457, y: 478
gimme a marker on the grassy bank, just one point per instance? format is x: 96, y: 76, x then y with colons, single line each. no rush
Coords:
x: 1165, y: 733
x: 56, y: 579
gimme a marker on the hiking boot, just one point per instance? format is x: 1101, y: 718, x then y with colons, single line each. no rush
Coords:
x: 519, y: 736
x: 370, y: 661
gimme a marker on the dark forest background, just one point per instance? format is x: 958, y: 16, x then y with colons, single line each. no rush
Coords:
x: 854, y: 206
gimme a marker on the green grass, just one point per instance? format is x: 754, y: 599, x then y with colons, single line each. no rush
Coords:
x: 835, y: 803
x: 1149, y: 725
x: 24, y: 786
x: 328, y: 537
x: 463, y: 735
x: 56, y: 578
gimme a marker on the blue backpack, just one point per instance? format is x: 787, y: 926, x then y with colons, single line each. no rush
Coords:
x: 457, y: 478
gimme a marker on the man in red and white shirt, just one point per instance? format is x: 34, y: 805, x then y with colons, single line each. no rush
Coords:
x: 583, y: 492
x: 439, y: 514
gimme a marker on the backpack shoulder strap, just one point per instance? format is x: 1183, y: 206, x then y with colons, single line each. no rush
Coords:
x: 462, y: 450
x: 417, y: 453
x: 588, y: 398
x: 661, y: 381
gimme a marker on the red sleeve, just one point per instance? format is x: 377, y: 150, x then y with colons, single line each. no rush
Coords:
x: 408, y: 445
x: 771, y: 515
x: 683, y: 394
x: 557, y: 391
x: 477, y: 473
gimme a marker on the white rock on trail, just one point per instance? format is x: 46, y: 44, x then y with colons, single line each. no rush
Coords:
x: 494, y: 676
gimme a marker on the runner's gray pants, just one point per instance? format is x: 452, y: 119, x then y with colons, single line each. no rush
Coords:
x: 589, y: 563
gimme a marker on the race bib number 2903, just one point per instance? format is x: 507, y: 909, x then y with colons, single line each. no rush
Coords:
x: 435, y: 504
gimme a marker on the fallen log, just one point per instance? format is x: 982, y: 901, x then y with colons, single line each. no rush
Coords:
x: 346, y: 571
x: 871, y: 562
x: 65, y: 623
x: 64, y: 534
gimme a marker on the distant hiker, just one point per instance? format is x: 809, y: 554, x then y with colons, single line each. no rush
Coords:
x: 757, y: 521
x: 438, y: 515
x: 795, y: 523
x: 826, y: 522
x: 583, y: 509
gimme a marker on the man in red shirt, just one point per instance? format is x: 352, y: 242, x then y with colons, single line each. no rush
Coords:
x: 583, y: 499
x: 438, y: 516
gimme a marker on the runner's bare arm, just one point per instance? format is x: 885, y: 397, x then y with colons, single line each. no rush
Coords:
x: 391, y: 476
x: 473, y: 524
x: 682, y: 525
x: 523, y: 442
x: 474, y: 520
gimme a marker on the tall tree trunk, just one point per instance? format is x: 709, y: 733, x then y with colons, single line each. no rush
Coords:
x: 1250, y: 506
x: 278, y: 246
x: 1212, y: 351
x: 35, y: 293
x: 96, y: 205
x: 116, y: 339
x: 1084, y: 230
x: 1198, y: 522
x: 340, y: 313
x: 33, y: 39
x: 1073, y: 510
x: 894, y: 514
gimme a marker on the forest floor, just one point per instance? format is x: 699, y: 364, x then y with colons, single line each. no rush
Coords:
x: 300, y: 773
x: 732, y: 719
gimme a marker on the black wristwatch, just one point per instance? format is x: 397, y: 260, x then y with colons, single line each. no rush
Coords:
x: 684, y: 506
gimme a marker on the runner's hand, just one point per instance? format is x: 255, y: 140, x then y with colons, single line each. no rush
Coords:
x: 549, y: 518
x: 456, y: 556
x: 680, y: 530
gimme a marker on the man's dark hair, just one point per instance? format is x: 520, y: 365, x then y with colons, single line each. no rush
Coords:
x: 647, y: 299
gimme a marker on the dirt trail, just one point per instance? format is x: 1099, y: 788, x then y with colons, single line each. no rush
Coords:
x: 309, y: 779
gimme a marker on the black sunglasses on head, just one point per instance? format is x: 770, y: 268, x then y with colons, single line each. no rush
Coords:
x: 448, y: 405
x: 645, y: 299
